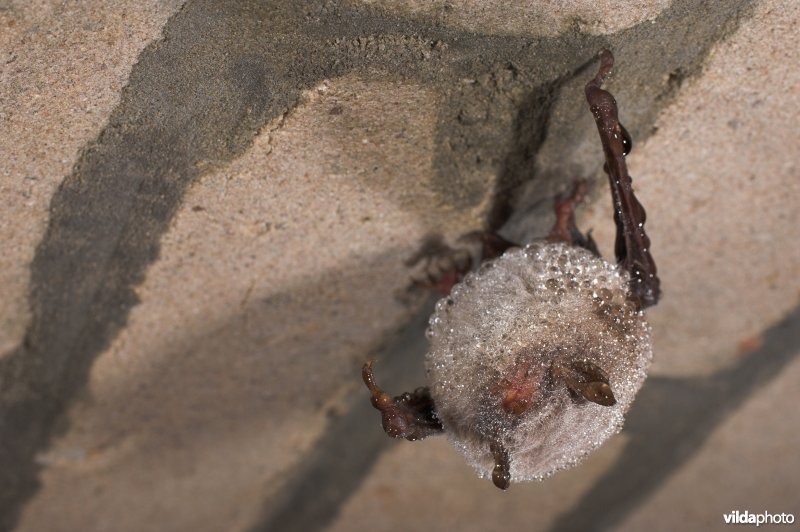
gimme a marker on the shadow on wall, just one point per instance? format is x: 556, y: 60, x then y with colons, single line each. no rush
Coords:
x: 107, y: 218
x: 668, y: 423
x: 219, y: 404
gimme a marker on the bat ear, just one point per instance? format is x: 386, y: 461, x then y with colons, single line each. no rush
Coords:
x: 598, y: 392
x: 587, y: 380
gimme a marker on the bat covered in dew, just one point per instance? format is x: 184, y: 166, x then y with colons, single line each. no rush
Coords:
x: 537, y: 351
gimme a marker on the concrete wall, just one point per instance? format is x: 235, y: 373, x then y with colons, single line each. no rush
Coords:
x: 207, y: 209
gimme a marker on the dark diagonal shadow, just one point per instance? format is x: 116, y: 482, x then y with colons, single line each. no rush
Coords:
x: 194, y: 101
x: 311, y: 497
x: 669, y: 423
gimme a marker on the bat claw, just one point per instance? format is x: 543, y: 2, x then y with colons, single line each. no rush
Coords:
x: 501, y: 474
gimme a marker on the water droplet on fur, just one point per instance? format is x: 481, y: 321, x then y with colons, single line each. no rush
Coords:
x: 469, y: 355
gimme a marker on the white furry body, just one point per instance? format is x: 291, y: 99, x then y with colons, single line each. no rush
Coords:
x: 547, y: 303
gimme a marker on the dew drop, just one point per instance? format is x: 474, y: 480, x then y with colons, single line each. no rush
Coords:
x: 627, y: 142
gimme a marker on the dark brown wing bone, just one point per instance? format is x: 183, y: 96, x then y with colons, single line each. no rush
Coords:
x: 632, y: 246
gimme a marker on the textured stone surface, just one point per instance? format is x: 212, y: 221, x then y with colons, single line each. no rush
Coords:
x: 62, y: 66
x: 414, y: 485
x: 258, y: 304
x: 722, y: 198
x: 752, y: 459
x: 541, y: 18
x: 230, y: 243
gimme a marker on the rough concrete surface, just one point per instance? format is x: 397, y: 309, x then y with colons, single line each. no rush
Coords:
x: 62, y: 67
x: 207, y: 210
x: 547, y: 17
x: 720, y: 179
